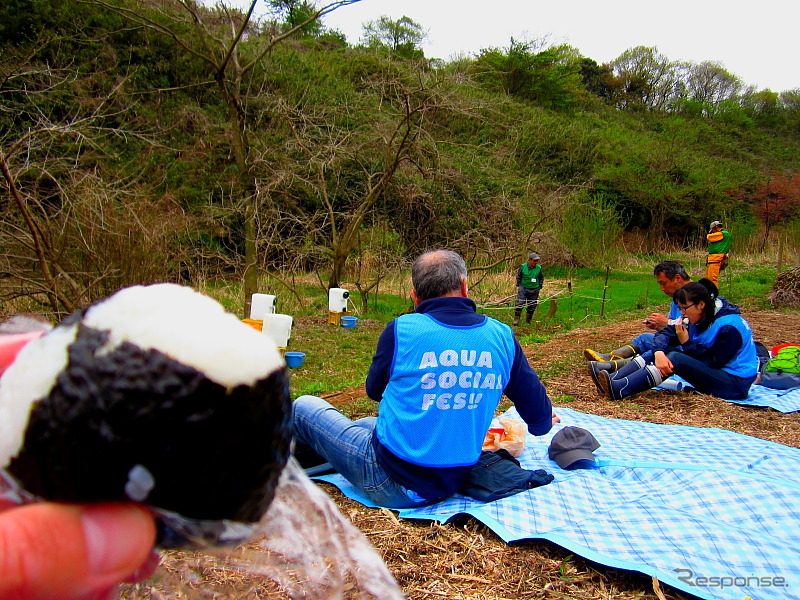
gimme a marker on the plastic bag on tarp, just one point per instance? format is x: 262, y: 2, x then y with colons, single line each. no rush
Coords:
x: 508, y: 434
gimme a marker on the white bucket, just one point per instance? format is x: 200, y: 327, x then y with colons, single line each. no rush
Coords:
x: 279, y: 328
x: 337, y: 299
x: 262, y: 304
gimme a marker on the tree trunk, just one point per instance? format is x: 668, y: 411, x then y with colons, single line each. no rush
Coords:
x: 337, y: 269
x: 247, y: 189
x: 54, y: 295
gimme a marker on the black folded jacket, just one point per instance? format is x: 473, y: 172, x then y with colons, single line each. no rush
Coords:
x: 498, y: 475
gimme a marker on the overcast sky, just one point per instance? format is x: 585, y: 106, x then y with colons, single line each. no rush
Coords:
x: 757, y: 41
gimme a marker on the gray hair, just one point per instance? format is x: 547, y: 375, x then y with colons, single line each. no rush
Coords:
x: 437, y: 273
x: 670, y: 268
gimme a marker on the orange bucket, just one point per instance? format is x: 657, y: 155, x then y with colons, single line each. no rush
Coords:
x: 255, y: 324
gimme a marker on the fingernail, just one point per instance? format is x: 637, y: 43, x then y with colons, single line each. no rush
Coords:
x: 114, y: 536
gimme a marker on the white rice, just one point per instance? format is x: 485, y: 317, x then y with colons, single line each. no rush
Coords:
x: 29, y: 378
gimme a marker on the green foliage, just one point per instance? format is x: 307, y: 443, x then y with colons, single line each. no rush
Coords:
x: 747, y: 286
x: 566, y: 149
x: 562, y: 399
x: 596, y: 78
x: 550, y: 78
x: 643, y: 299
x: 528, y: 136
x: 336, y: 357
x: 648, y: 79
x: 401, y: 37
x: 22, y: 20
x: 763, y: 107
x: 669, y: 187
x: 297, y: 12
x: 590, y: 228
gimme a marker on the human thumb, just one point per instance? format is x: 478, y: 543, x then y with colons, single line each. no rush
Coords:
x: 71, y: 552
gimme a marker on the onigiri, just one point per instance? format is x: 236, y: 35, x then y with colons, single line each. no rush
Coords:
x: 155, y: 394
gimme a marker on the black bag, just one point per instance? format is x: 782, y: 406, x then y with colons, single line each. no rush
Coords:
x: 763, y: 355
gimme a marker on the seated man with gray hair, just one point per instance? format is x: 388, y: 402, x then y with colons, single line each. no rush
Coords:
x: 439, y: 374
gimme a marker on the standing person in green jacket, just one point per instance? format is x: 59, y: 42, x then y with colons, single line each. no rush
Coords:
x: 719, y: 244
x: 529, y: 283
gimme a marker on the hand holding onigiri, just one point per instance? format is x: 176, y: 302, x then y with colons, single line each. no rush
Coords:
x: 154, y: 395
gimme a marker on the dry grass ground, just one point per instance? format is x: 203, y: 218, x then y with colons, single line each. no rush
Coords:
x: 466, y: 560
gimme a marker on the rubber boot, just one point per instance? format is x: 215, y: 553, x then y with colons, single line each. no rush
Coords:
x: 627, y: 351
x: 517, y: 313
x: 611, y: 366
x: 642, y: 379
x: 528, y: 317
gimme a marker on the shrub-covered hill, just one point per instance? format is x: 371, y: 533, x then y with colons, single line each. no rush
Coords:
x: 149, y: 140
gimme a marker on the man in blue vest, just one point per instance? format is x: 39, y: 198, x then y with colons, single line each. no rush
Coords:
x: 670, y: 276
x: 530, y: 279
x: 439, y: 374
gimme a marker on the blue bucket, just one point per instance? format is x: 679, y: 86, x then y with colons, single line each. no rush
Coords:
x: 294, y: 359
x: 349, y: 322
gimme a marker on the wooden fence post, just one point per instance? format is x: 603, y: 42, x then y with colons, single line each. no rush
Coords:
x: 603, y: 303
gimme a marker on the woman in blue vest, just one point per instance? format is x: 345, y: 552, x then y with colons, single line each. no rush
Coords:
x: 714, y: 351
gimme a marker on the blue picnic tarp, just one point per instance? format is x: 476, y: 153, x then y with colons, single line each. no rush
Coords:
x: 784, y: 401
x: 711, y: 512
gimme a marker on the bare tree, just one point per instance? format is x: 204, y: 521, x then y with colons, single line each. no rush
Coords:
x: 401, y: 36
x: 649, y: 78
x: 215, y: 37
x: 67, y: 237
x: 401, y: 141
x: 709, y: 83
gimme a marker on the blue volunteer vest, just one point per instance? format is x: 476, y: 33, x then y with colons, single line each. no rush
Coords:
x: 745, y: 362
x: 445, y: 385
x: 674, y: 311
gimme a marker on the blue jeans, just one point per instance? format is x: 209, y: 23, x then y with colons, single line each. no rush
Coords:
x: 643, y: 341
x: 347, y: 445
